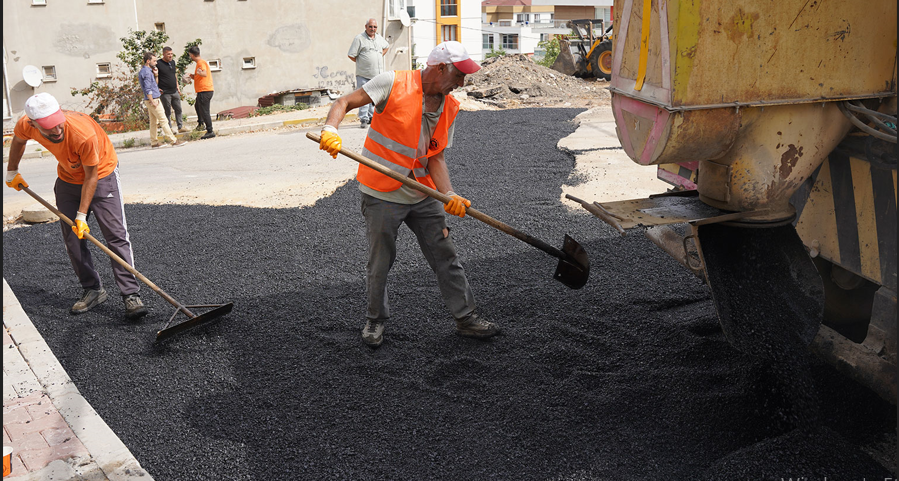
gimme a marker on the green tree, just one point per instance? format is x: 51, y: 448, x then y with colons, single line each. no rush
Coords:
x: 121, y: 95
x: 496, y: 53
x: 551, y: 47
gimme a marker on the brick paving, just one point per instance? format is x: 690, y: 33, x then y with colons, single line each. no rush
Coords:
x: 36, y: 419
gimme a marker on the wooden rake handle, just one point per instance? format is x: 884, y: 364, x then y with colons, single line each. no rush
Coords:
x: 412, y: 183
x: 112, y: 254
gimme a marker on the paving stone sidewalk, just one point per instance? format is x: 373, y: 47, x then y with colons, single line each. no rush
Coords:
x: 54, y: 432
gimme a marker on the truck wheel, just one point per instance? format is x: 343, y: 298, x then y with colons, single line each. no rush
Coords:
x: 601, y: 60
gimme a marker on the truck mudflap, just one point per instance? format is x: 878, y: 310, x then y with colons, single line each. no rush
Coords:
x: 766, y: 289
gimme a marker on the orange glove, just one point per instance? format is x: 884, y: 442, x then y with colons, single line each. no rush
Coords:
x: 14, y: 180
x: 80, y: 228
x: 330, y: 142
x: 457, y: 205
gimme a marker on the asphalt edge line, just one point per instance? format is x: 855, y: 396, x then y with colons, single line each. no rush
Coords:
x: 105, y: 447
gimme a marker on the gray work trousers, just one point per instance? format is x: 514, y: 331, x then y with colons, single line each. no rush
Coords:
x: 109, y: 208
x: 425, y: 219
x: 171, y: 102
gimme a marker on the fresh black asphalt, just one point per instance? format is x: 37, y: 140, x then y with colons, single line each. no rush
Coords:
x: 627, y: 378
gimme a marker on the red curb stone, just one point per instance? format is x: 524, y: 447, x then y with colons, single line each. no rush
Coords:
x: 37, y: 459
x: 30, y: 442
x: 55, y: 436
x: 18, y: 467
x: 16, y: 416
x: 42, y: 409
x: 23, y: 401
x: 53, y: 420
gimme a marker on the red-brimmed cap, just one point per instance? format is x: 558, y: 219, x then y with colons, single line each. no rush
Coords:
x: 44, y: 109
x: 453, y: 52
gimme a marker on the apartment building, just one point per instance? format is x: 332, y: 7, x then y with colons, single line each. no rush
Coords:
x: 517, y: 26
x: 435, y: 21
x: 254, y: 47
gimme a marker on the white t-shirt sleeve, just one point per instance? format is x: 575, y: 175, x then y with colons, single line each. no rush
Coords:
x: 379, y: 88
x: 354, y: 47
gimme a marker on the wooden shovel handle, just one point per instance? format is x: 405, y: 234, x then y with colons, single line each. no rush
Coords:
x: 412, y: 183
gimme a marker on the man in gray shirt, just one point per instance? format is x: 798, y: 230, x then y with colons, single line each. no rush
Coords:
x: 368, y: 51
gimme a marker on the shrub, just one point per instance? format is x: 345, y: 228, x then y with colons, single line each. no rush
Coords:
x: 278, y: 108
x: 496, y: 53
x: 552, y: 50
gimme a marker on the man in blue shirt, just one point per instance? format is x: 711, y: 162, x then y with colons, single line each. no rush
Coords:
x: 154, y: 106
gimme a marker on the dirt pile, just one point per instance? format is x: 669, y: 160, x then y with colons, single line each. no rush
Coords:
x: 517, y: 81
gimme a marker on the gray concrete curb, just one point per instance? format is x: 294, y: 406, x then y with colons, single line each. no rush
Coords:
x: 104, y: 446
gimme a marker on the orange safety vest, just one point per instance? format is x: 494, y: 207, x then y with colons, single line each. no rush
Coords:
x: 393, y: 136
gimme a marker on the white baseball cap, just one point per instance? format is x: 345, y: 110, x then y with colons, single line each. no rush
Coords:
x: 44, y: 109
x: 453, y: 52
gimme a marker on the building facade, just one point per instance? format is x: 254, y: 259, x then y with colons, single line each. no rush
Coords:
x: 254, y: 47
x: 435, y: 21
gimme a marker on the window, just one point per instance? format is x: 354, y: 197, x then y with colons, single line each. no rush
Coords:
x: 536, y: 18
x: 215, y: 65
x: 449, y: 8
x: 394, y: 8
x: 49, y: 73
x: 488, y: 42
x: 160, y: 27
x: 447, y: 33
x: 39, y: 2
x: 505, y: 23
x: 104, y: 70
x: 510, y: 42
x: 522, y: 17
x: 248, y: 62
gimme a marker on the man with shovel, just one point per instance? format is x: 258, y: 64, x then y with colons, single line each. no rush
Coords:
x: 88, y: 182
x: 412, y: 125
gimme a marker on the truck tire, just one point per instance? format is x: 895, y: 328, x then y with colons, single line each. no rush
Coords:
x: 601, y: 60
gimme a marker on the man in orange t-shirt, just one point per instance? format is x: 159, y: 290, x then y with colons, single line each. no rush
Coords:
x: 88, y: 183
x: 203, y: 86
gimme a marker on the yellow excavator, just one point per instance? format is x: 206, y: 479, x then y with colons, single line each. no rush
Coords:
x: 775, y: 123
x: 595, y: 61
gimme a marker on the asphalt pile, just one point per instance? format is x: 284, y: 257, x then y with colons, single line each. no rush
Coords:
x: 627, y: 378
x: 517, y: 81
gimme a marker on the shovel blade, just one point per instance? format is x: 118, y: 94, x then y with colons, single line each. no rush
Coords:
x: 766, y: 289
x: 574, y: 269
x: 193, y: 322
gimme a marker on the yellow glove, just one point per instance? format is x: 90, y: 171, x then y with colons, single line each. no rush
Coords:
x: 14, y: 180
x: 457, y: 205
x: 80, y: 228
x: 330, y: 142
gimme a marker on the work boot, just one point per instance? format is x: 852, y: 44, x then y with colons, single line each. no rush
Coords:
x: 183, y: 129
x: 473, y: 326
x: 373, y: 334
x: 179, y: 143
x: 208, y: 135
x: 90, y: 299
x: 134, y: 308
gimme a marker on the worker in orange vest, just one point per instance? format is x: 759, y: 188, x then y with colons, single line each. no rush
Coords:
x: 412, y: 125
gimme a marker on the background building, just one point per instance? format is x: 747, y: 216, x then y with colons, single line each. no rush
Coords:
x: 517, y: 26
x: 435, y: 21
x: 254, y: 47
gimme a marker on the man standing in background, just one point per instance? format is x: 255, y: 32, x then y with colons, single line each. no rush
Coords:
x: 168, y: 87
x: 154, y: 106
x: 368, y: 51
x: 203, y: 86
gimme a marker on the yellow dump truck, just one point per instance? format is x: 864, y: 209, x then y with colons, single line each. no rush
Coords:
x: 776, y: 124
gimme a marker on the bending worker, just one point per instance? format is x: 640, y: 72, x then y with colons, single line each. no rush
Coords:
x: 412, y: 125
x: 88, y: 182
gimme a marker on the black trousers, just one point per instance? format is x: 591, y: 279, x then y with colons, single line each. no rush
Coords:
x: 202, y: 107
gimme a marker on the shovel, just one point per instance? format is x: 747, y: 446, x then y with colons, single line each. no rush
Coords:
x: 574, y: 265
x: 193, y: 319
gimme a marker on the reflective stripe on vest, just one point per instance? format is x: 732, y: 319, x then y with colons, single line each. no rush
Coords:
x: 395, y: 134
